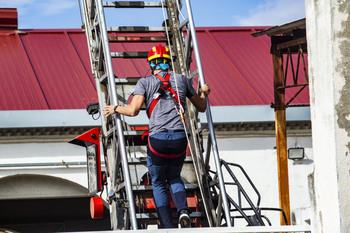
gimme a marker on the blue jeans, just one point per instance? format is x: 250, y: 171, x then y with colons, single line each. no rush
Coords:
x: 163, y: 170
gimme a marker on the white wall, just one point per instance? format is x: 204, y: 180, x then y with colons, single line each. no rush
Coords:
x: 26, y: 155
x: 259, y: 159
x: 256, y: 155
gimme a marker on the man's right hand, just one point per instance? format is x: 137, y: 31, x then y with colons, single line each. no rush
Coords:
x: 205, y: 89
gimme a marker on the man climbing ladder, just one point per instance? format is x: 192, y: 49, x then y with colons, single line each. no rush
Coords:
x: 165, y: 97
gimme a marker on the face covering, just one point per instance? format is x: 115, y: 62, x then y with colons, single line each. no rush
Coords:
x: 161, y: 66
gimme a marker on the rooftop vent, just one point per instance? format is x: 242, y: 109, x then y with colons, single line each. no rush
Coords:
x: 8, y: 19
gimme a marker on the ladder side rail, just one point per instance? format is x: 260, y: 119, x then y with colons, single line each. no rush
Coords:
x: 209, y: 117
x: 199, y: 164
x: 96, y: 56
x: 200, y: 170
x: 88, y: 24
x: 116, y: 117
x: 94, y: 45
x: 181, y: 66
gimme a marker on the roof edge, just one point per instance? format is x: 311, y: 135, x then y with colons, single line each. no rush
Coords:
x: 282, y: 29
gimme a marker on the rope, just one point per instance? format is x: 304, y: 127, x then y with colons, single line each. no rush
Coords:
x: 171, y: 52
x: 177, y: 89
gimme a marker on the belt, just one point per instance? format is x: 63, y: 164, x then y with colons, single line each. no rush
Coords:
x: 176, y: 130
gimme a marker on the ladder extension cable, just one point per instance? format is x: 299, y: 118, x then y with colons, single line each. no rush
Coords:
x: 177, y: 89
x: 178, y: 8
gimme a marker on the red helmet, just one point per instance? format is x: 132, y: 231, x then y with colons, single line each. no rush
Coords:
x: 158, y: 52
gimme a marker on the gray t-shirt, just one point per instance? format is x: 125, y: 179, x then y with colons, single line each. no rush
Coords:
x: 164, y: 115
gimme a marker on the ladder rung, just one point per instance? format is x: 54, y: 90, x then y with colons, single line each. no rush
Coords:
x: 149, y: 187
x: 141, y: 187
x: 133, y: 133
x: 134, y: 138
x: 103, y: 78
x: 121, y: 81
x: 136, y: 39
x: 128, y: 134
x: 139, y: 160
x: 141, y: 29
x: 146, y: 215
x: 143, y: 160
x: 191, y: 186
x: 127, y: 81
x: 183, y: 24
x: 132, y: 4
x: 129, y: 54
x: 154, y: 215
x: 110, y: 132
x: 194, y: 74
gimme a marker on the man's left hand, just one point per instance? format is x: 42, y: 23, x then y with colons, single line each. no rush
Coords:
x: 108, y: 110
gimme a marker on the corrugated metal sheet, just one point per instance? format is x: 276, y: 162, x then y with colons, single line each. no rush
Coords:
x: 19, y: 87
x: 238, y: 66
x: 50, y: 69
x: 59, y: 70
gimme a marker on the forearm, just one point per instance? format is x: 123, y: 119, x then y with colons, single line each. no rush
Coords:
x: 203, y: 102
x: 199, y: 101
x: 131, y: 109
x: 127, y: 110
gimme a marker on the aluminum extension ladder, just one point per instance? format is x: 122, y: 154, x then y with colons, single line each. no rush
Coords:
x: 121, y: 143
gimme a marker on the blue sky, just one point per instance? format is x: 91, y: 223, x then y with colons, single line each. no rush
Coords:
x: 46, y: 14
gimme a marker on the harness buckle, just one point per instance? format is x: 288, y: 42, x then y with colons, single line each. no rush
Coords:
x: 156, y: 95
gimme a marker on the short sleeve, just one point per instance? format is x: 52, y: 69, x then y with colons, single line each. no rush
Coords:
x: 140, y: 88
x: 190, y: 89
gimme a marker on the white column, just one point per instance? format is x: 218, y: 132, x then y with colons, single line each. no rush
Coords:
x: 328, y: 39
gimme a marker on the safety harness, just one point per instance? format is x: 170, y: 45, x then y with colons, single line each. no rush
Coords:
x: 165, y: 87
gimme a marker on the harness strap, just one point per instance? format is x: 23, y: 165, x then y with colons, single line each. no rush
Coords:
x: 165, y: 82
x: 171, y: 156
x: 145, y: 134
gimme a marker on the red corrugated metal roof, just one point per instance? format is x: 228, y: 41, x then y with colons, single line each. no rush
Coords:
x: 50, y: 69
x: 238, y: 65
x: 44, y: 70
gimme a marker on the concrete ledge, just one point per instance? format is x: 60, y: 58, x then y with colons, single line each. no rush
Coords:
x: 80, y: 118
x: 253, y: 113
